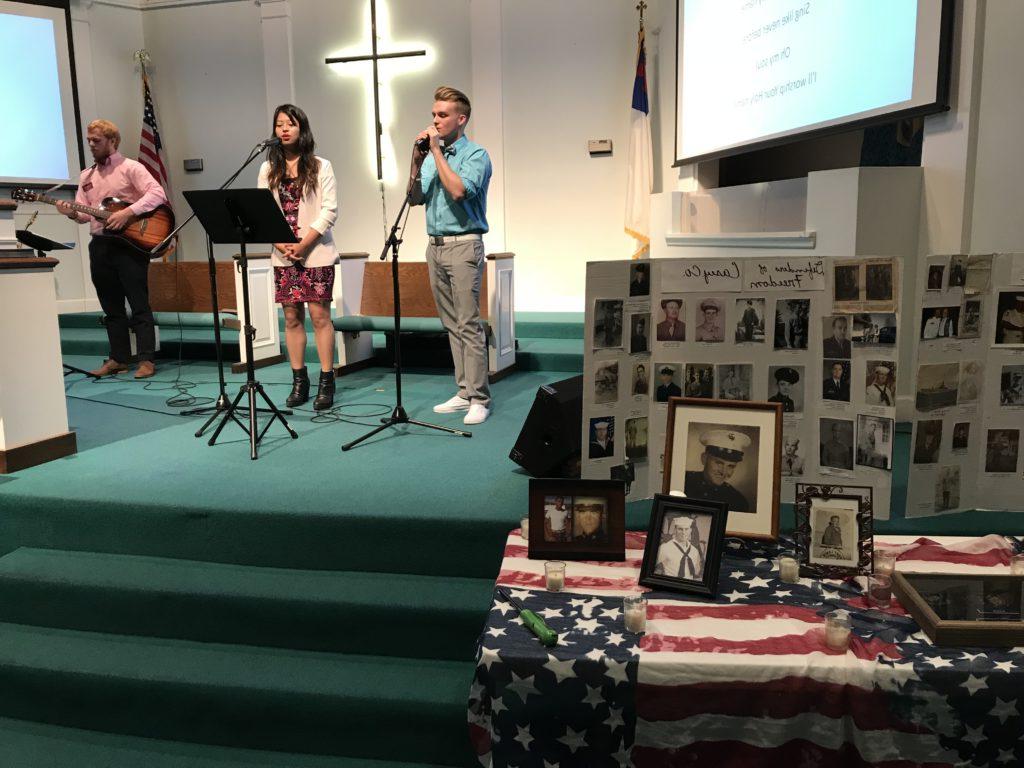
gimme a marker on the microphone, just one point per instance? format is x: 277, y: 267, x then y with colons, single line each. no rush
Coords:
x: 423, y: 145
x: 269, y: 143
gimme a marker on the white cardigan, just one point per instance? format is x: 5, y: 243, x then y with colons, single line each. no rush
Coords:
x: 317, y: 211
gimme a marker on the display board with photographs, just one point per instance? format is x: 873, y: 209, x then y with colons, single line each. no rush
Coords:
x: 968, y: 393
x: 819, y: 336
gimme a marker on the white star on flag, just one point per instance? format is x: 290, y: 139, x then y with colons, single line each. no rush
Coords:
x: 588, y: 625
x: 757, y: 581
x: 616, y: 669
x: 520, y: 594
x: 594, y: 698
x: 550, y: 613
x: 523, y: 737
x: 974, y: 684
x: 496, y: 631
x: 574, y: 739
x: 614, y: 639
x: 735, y: 595
x: 611, y: 613
x: 561, y: 667
x: 1003, y: 710
x: 594, y: 655
x: 975, y: 735
x: 503, y: 607
x: 489, y: 656
x: 1003, y: 666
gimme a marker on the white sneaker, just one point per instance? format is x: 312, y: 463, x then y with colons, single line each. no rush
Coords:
x: 451, y: 406
x: 477, y: 414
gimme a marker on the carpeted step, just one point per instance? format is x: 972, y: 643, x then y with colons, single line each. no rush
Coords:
x: 37, y: 745
x: 550, y: 355
x: 291, y: 701
x: 213, y: 602
x: 549, y: 325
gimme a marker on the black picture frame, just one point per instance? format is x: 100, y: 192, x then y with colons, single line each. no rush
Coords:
x: 805, y: 495
x: 712, y: 555
x: 609, y: 543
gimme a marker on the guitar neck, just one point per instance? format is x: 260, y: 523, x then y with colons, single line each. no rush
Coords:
x: 99, y: 213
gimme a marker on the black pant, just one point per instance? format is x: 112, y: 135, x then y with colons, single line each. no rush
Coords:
x: 120, y: 273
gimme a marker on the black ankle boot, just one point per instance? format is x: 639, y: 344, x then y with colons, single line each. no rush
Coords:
x: 325, y: 392
x: 300, y: 388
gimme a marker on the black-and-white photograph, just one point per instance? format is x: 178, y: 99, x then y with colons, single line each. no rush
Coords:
x: 786, y: 385
x: 734, y: 380
x: 835, y: 335
x: 792, y: 319
x: 957, y: 271
x: 878, y: 281
x: 970, y: 381
x: 641, y: 379
x: 672, y: 326
x: 835, y: 437
x: 710, y: 319
x: 870, y: 328
x: 961, y: 436
x: 1011, y: 385
x: 835, y: 382
x: 669, y: 376
x: 937, y: 385
x: 1010, y: 319
x: 970, y: 319
x: 1001, y: 449
x: 846, y: 282
x: 639, y: 279
x: 607, y: 323
x: 834, y: 534
x: 700, y: 380
x: 793, y: 455
x: 940, y: 322
x: 602, y: 437
x: 722, y: 464
x: 935, y: 274
x: 606, y: 382
x: 589, y: 519
x: 979, y: 273
x: 880, y: 387
x: 874, y: 441
x: 947, y: 486
x: 639, y: 333
x: 750, y: 321
x: 927, y: 441
x: 636, y: 438
x: 684, y: 545
x: 557, y: 518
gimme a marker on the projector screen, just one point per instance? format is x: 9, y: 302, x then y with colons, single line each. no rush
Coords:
x: 39, y: 135
x: 755, y: 73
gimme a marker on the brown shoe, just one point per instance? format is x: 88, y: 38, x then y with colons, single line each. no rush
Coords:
x: 109, y: 368
x: 145, y: 369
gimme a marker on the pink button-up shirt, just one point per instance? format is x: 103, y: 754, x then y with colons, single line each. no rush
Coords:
x: 119, y: 177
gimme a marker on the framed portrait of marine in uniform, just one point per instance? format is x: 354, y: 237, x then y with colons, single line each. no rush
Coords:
x: 727, y: 451
x: 577, y: 519
x: 834, y: 530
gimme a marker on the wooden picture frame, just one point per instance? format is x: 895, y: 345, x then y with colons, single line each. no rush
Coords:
x: 853, y: 505
x: 921, y: 594
x: 586, y: 519
x: 701, y: 435
x: 705, y: 524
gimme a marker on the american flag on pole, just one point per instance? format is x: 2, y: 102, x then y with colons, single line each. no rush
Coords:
x: 744, y: 679
x: 640, y: 169
x: 151, y: 148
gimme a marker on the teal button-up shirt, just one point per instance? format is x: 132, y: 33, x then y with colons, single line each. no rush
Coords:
x: 449, y: 217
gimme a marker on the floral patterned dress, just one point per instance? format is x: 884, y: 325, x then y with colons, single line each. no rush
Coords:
x: 297, y: 283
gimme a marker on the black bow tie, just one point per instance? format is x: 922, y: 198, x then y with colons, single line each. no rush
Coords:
x: 448, y: 151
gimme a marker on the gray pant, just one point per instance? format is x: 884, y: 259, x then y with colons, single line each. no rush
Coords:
x: 456, y: 271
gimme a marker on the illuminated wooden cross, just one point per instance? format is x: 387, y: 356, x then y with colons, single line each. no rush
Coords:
x: 375, y: 56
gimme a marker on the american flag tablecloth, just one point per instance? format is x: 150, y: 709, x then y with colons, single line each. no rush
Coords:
x: 744, y: 679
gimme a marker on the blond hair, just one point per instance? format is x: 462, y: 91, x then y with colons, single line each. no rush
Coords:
x: 107, y: 129
x: 447, y: 93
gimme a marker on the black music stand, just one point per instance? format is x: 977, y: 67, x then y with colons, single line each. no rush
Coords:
x: 237, y: 217
x: 42, y: 246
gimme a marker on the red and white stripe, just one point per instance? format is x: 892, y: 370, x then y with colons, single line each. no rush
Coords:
x: 151, y: 151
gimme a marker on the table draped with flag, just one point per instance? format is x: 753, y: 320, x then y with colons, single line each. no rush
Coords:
x: 743, y: 679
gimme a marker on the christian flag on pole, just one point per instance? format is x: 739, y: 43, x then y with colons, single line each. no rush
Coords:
x: 638, y: 178
x: 151, y: 148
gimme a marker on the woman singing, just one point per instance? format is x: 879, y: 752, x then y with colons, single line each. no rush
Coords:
x: 303, y: 185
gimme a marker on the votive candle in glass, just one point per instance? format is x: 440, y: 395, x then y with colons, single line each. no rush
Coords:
x: 837, y: 630
x: 634, y: 611
x: 789, y: 569
x: 1017, y: 565
x: 879, y: 590
x: 554, y: 575
x: 524, y: 528
x: 885, y: 562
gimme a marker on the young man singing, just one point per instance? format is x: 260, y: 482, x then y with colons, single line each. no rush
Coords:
x: 450, y: 177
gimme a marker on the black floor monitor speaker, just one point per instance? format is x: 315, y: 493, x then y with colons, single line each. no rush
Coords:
x: 549, y: 444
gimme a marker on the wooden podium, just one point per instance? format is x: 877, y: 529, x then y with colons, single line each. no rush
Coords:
x: 33, y: 409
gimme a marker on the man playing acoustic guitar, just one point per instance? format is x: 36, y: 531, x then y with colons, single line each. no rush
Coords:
x: 118, y: 271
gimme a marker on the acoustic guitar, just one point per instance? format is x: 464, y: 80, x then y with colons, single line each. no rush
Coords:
x: 143, y: 234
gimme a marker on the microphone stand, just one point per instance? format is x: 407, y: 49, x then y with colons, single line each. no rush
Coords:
x: 222, y: 402
x: 398, y: 415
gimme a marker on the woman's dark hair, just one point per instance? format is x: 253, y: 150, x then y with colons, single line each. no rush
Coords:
x: 308, y: 165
